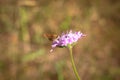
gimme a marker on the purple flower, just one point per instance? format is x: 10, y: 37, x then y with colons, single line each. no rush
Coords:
x: 66, y: 39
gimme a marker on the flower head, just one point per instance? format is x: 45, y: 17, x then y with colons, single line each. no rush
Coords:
x: 66, y: 39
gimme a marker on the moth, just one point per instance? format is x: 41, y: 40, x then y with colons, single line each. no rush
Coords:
x: 51, y: 37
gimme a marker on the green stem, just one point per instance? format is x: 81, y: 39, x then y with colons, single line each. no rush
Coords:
x: 73, y: 64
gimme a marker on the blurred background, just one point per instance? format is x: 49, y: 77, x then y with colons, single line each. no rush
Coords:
x: 25, y: 52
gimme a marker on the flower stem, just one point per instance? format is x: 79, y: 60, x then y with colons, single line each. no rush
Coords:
x: 73, y: 64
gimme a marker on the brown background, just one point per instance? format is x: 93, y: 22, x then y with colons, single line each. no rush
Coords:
x: 24, y: 52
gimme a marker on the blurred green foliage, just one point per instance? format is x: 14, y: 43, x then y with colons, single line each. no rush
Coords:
x: 65, y: 25
x: 59, y: 68
x: 32, y: 56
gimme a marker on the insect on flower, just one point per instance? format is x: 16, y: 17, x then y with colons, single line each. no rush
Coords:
x: 51, y: 37
x: 66, y: 39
